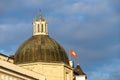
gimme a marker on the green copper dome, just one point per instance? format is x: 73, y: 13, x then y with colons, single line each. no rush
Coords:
x: 41, y: 48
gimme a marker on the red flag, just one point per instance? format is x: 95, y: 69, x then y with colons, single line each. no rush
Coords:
x: 72, y: 53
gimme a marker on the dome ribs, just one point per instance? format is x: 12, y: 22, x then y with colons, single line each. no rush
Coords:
x: 41, y: 48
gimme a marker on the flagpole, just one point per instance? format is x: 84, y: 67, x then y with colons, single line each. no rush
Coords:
x: 69, y: 56
x: 78, y: 59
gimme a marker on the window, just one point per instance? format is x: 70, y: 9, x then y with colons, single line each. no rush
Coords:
x: 67, y: 76
x: 38, y: 28
x: 41, y: 27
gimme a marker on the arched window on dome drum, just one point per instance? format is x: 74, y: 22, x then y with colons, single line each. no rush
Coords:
x: 41, y: 27
x: 38, y: 28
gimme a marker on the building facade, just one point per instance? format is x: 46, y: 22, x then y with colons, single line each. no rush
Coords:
x: 10, y: 71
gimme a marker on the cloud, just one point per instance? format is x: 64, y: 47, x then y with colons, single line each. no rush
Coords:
x: 109, y: 71
x: 13, y: 35
x: 90, y: 27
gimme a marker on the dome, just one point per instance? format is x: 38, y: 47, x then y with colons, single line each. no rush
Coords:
x: 41, y: 48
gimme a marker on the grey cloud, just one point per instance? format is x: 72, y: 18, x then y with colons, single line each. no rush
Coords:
x: 108, y: 71
x: 12, y: 35
x: 89, y: 25
x: 115, y: 77
x: 92, y: 7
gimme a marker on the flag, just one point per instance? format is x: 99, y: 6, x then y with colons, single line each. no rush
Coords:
x: 72, y: 53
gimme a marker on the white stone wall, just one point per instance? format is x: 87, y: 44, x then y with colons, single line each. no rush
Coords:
x: 6, y: 58
x: 4, y: 76
x: 81, y: 77
x: 9, y: 71
x: 52, y: 71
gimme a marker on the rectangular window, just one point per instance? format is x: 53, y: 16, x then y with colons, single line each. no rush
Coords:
x: 67, y: 76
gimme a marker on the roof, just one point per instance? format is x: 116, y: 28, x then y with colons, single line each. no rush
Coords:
x: 11, y: 56
x: 41, y: 48
x: 3, y: 55
x: 78, y: 71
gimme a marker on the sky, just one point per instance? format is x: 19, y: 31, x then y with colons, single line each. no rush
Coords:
x: 90, y: 27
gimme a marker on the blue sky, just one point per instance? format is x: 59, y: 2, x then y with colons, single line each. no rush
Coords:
x: 90, y: 27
